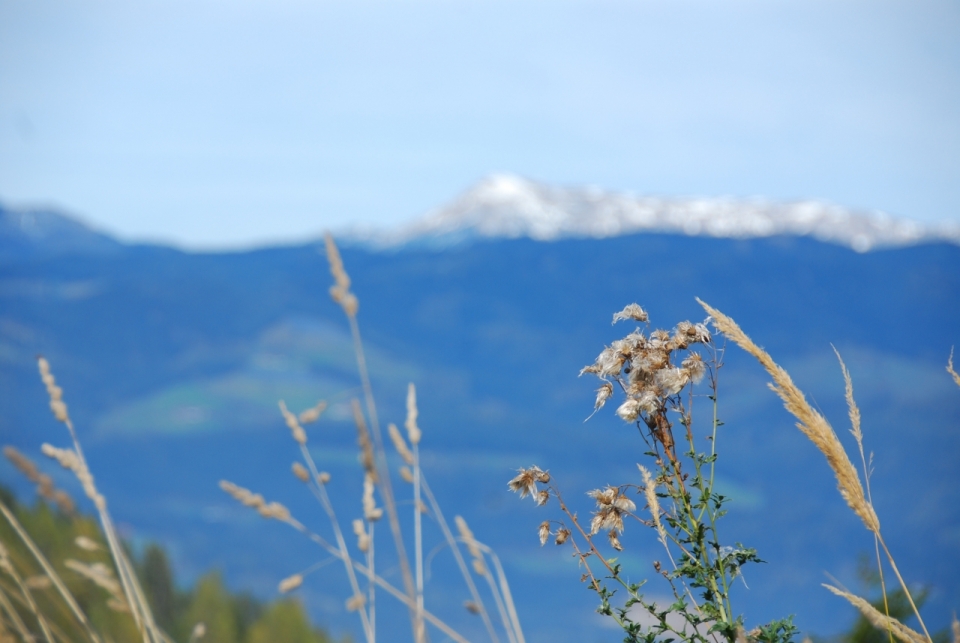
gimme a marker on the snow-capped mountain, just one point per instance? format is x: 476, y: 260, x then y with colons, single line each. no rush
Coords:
x: 508, y: 206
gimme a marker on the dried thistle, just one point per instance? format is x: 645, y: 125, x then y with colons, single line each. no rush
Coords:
x: 562, y: 534
x: 611, y: 507
x: 525, y: 483
x: 614, y: 541
x: 544, y: 532
x: 632, y: 311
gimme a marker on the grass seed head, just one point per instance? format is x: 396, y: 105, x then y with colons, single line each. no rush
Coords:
x: 295, y: 429
x: 313, y: 413
x: 413, y: 431
x: 290, y: 583
x: 400, y: 444
x: 300, y: 472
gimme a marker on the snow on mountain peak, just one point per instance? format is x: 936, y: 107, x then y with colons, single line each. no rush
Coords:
x: 508, y: 206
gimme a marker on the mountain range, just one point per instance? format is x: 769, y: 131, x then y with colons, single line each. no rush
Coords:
x: 172, y: 364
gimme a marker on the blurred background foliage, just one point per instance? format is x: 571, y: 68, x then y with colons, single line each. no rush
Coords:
x: 227, y: 617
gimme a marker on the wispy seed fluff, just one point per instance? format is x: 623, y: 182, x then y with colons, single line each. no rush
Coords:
x: 525, y: 483
x: 632, y: 311
x: 603, y: 394
x: 614, y: 541
x: 544, y: 532
x: 611, y: 507
x: 562, y: 534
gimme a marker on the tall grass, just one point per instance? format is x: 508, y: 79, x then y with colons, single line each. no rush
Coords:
x: 360, y: 561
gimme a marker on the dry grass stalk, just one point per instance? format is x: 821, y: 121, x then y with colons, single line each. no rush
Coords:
x: 300, y: 472
x: 481, y: 568
x: 400, y: 444
x: 413, y: 431
x: 854, y: 412
x: 87, y: 544
x: 299, y: 435
x: 75, y: 461
x: 7, y: 567
x: 811, y: 423
x: 879, y: 620
x: 49, y: 571
x: 452, y: 543
x: 14, y: 617
x: 45, y: 486
x: 340, y: 293
x: 99, y: 574
x: 313, y: 413
x: 819, y: 431
x: 256, y: 501
x: 371, y: 513
x: 367, y: 458
x: 198, y: 632
x: 290, y: 583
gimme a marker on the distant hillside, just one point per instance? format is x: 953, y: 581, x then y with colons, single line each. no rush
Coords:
x: 172, y: 363
x: 31, y: 232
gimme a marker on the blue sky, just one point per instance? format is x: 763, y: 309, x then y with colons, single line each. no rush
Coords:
x: 216, y: 124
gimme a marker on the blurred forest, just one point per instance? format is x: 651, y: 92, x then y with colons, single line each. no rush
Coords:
x: 67, y: 538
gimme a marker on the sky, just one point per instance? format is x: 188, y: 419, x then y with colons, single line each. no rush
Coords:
x: 212, y: 124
